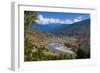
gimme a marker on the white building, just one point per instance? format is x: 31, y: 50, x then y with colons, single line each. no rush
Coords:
x: 61, y: 49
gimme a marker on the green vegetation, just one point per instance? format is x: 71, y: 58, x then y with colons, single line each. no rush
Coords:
x: 29, y: 18
x: 39, y: 54
x: 81, y: 54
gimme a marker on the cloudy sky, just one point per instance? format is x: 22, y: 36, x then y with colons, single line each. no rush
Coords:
x: 60, y: 18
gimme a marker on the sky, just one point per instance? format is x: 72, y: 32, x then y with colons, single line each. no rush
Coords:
x: 60, y: 18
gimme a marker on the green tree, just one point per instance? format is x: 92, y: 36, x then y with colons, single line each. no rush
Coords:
x: 81, y: 54
x: 29, y: 18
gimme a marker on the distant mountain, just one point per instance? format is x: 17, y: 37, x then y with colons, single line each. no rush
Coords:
x: 81, y: 28
x: 48, y: 27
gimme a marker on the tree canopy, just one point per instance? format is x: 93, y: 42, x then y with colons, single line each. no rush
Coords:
x: 29, y: 18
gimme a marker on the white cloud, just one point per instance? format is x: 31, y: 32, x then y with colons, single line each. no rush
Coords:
x: 42, y: 20
x: 68, y: 21
x: 78, y: 19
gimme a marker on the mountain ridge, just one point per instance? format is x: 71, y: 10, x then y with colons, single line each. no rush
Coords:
x: 81, y: 28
